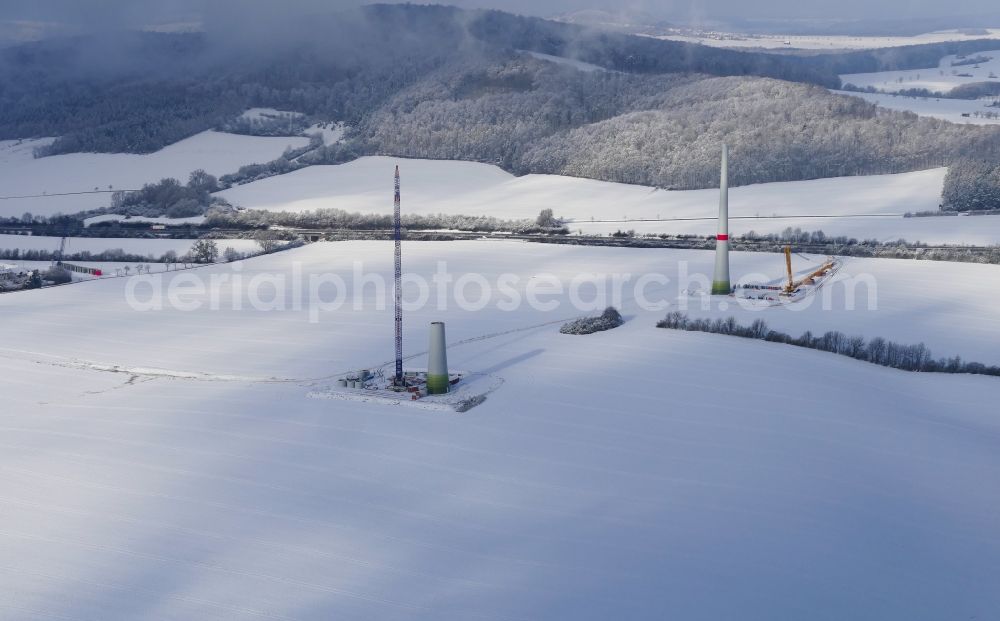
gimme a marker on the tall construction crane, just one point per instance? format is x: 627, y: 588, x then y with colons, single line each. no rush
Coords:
x: 398, y: 237
x: 57, y: 259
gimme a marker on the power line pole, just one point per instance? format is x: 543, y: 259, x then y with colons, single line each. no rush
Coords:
x: 397, y: 237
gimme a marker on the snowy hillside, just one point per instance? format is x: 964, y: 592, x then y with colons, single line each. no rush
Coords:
x: 468, y: 188
x: 941, y: 79
x: 638, y: 473
x: 216, y: 153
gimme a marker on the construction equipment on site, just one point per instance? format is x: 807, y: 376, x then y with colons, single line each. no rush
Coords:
x: 809, y: 279
x: 57, y: 260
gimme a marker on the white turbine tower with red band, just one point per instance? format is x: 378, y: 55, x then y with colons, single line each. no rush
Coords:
x: 720, y: 284
x: 397, y: 236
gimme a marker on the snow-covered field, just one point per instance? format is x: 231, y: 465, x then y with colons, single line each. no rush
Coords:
x: 431, y: 186
x: 941, y: 79
x: 935, y: 107
x: 154, y: 247
x: 828, y: 42
x: 214, y: 152
x: 639, y: 473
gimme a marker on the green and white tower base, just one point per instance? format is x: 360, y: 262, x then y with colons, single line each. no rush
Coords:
x: 720, y: 283
x: 437, y: 362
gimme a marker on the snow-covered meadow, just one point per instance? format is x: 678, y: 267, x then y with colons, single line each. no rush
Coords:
x: 828, y: 42
x: 22, y: 175
x: 637, y: 473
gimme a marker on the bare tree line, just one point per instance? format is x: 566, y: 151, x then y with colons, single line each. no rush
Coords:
x: 876, y: 351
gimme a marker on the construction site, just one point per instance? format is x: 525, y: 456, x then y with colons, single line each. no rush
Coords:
x: 795, y: 286
x: 433, y: 384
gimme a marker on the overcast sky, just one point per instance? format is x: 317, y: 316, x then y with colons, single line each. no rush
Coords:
x: 131, y: 12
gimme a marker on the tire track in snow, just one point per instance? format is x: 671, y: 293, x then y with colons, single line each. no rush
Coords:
x: 77, y: 363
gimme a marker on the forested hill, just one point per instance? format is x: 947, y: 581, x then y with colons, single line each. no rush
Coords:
x: 530, y: 116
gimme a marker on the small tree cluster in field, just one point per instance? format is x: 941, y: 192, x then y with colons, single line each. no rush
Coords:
x: 266, y: 240
x: 168, y: 197
x: 546, y: 219
x: 607, y: 320
x: 877, y: 351
x: 205, y: 251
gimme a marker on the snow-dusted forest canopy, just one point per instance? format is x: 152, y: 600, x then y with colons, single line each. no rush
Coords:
x: 663, y: 131
x: 438, y: 82
x: 496, y: 111
x: 972, y: 185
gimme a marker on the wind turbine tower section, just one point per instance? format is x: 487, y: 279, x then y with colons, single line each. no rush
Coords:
x: 720, y: 283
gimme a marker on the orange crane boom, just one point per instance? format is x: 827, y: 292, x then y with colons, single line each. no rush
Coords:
x: 788, y: 265
x: 795, y: 284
